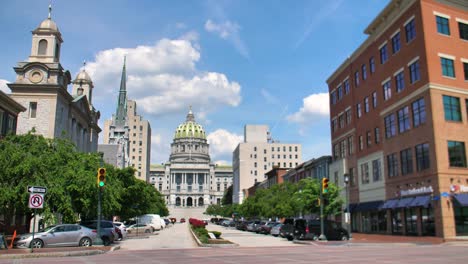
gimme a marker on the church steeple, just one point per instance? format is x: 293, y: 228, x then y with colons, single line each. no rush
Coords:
x: 46, y: 41
x: 121, y: 113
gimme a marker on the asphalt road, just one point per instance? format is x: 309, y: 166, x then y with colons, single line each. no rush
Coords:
x: 174, y: 245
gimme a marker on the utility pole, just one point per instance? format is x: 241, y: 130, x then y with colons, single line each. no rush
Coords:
x: 323, y: 189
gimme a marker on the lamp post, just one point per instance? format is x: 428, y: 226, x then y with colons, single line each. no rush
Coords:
x: 348, y: 214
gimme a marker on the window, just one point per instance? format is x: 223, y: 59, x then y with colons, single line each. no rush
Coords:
x: 336, y: 151
x: 406, y: 161
x: 447, y: 67
x: 452, y: 108
x: 346, y: 86
x: 32, y: 109
x: 396, y: 45
x: 334, y: 125
x: 358, y: 110
x: 457, y: 156
x: 350, y: 145
x: 400, y: 81
x: 366, y: 104
x: 390, y: 126
x: 340, y: 92
x: 369, y: 138
x: 255, y: 164
x: 374, y: 99
x: 383, y: 54
x: 372, y: 64
x: 443, y: 25
x: 160, y: 187
x: 364, y: 72
x: 403, y: 119
x: 377, y: 135
x: 356, y: 79
x: 463, y: 28
x: 376, y: 170
x: 392, y: 165
x: 343, y: 148
x: 218, y: 187
x: 42, y: 49
x: 414, y: 72
x: 419, y: 112
x: 410, y: 31
x: 255, y: 148
x: 361, y: 143
x: 348, y: 116
x: 264, y: 151
x: 264, y: 159
x: 465, y: 69
x: 387, y: 90
x: 352, y: 178
x: 341, y: 120
x: 422, y: 156
x: 365, y: 173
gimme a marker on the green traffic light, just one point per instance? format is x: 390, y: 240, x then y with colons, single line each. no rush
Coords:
x: 101, y: 184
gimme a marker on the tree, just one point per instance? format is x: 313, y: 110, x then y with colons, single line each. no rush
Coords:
x: 227, y: 197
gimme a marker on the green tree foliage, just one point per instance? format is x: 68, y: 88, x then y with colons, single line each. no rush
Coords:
x: 284, y: 200
x: 227, y: 197
x: 71, y: 180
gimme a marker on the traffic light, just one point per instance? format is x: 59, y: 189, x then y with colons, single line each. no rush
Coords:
x: 325, y: 185
x: 101, y: 177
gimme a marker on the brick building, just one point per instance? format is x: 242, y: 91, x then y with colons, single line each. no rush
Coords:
x: 398, y: 109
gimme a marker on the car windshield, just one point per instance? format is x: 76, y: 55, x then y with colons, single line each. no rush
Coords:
x: 47, y: 228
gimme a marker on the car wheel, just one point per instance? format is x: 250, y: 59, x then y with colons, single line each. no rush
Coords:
x: 147, y: 231
x: 344, y: 237
x: 85, y: 242
x: 290, y: 238
x: 315, y: 238
x: 37, y: 243
x: 275, y: 235
x: 106, y: 241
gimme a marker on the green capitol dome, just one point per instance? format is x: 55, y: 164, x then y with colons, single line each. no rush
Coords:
x: 190, y: 128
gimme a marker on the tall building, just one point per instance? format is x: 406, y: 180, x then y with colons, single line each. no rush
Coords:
x: 189, y: 180
x: 41, y: 87
x: 257, y: 155
x: 127, y: 136
x: 398, y: 108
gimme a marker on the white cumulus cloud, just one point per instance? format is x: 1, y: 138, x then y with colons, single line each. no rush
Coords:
x: 163, y: 78
x: 229, y: 31
x: 314, y: 106
x: 3, y: 86
x: 222, y: 143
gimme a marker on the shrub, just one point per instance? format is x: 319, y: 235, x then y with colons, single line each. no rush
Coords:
x: 216, y: 233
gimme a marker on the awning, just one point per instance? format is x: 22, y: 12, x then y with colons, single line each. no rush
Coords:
x: 351, y: 208
x: 424, y: 201
x: 368, y: 206
x: 462, y: 199
x: 405, y: 202
x: 389, y: 204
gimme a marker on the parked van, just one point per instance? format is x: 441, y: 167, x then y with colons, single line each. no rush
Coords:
x: 310, y: 229
x: 152, y: 220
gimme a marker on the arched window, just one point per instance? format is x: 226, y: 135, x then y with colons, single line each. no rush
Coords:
x: 189, y: 201
x: 57, y: 51
x: 200, y: 201
x: 42, y: 50
x: 177, y: 201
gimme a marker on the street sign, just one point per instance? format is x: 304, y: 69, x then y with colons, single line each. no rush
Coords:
x: 445, y: 194
x: 37, y: 189
x: 36, y: 200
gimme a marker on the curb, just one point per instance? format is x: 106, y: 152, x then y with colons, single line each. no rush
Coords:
x: 200, y: 244
x: 53, y: 254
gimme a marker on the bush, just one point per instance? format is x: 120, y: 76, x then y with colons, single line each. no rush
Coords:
x: 216, y: 233
x: 197, y: 223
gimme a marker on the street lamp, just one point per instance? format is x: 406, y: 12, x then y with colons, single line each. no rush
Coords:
x: 348, y: 214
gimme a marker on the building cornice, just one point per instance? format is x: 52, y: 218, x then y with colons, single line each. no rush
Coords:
x: 345, y: 135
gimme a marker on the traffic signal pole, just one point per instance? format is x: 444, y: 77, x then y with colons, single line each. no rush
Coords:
x: 98, y: 238
x: 323, y: 190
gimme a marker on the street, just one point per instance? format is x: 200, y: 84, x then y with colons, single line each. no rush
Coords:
x: 174, y: 245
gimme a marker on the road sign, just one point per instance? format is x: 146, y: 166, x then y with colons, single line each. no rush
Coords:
x: 36, y: 200
x: 37, y: 189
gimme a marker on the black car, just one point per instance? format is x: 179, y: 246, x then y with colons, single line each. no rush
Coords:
x: 107, y: 230
x: 287, y: 230
x: 310, y: 230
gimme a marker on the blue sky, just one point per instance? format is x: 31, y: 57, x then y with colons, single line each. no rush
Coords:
x: 236, y: 62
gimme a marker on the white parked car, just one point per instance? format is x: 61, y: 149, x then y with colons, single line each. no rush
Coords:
x: 123, y: 230
x: 163, y: 223
x: 153, y: 220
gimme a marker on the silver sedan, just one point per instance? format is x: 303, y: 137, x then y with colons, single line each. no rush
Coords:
x: 59, y: 236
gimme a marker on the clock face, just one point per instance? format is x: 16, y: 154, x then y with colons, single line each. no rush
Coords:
x: 35, y: 76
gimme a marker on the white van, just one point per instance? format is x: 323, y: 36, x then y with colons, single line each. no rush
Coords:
x: 153, y: 220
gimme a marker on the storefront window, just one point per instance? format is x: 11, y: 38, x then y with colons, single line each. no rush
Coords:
x: 397, y: 225
x: 428, y: 227
x: 410, y: 221
x: 382, y: 221
x: 461, y: 220
x: 365, y: 222
x: 354, y: 222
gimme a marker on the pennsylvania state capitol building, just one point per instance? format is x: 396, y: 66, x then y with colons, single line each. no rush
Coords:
x: 189, y: 179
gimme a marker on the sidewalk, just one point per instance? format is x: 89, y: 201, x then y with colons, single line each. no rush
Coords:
x: 377, y: 238
x: 55, y: 252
